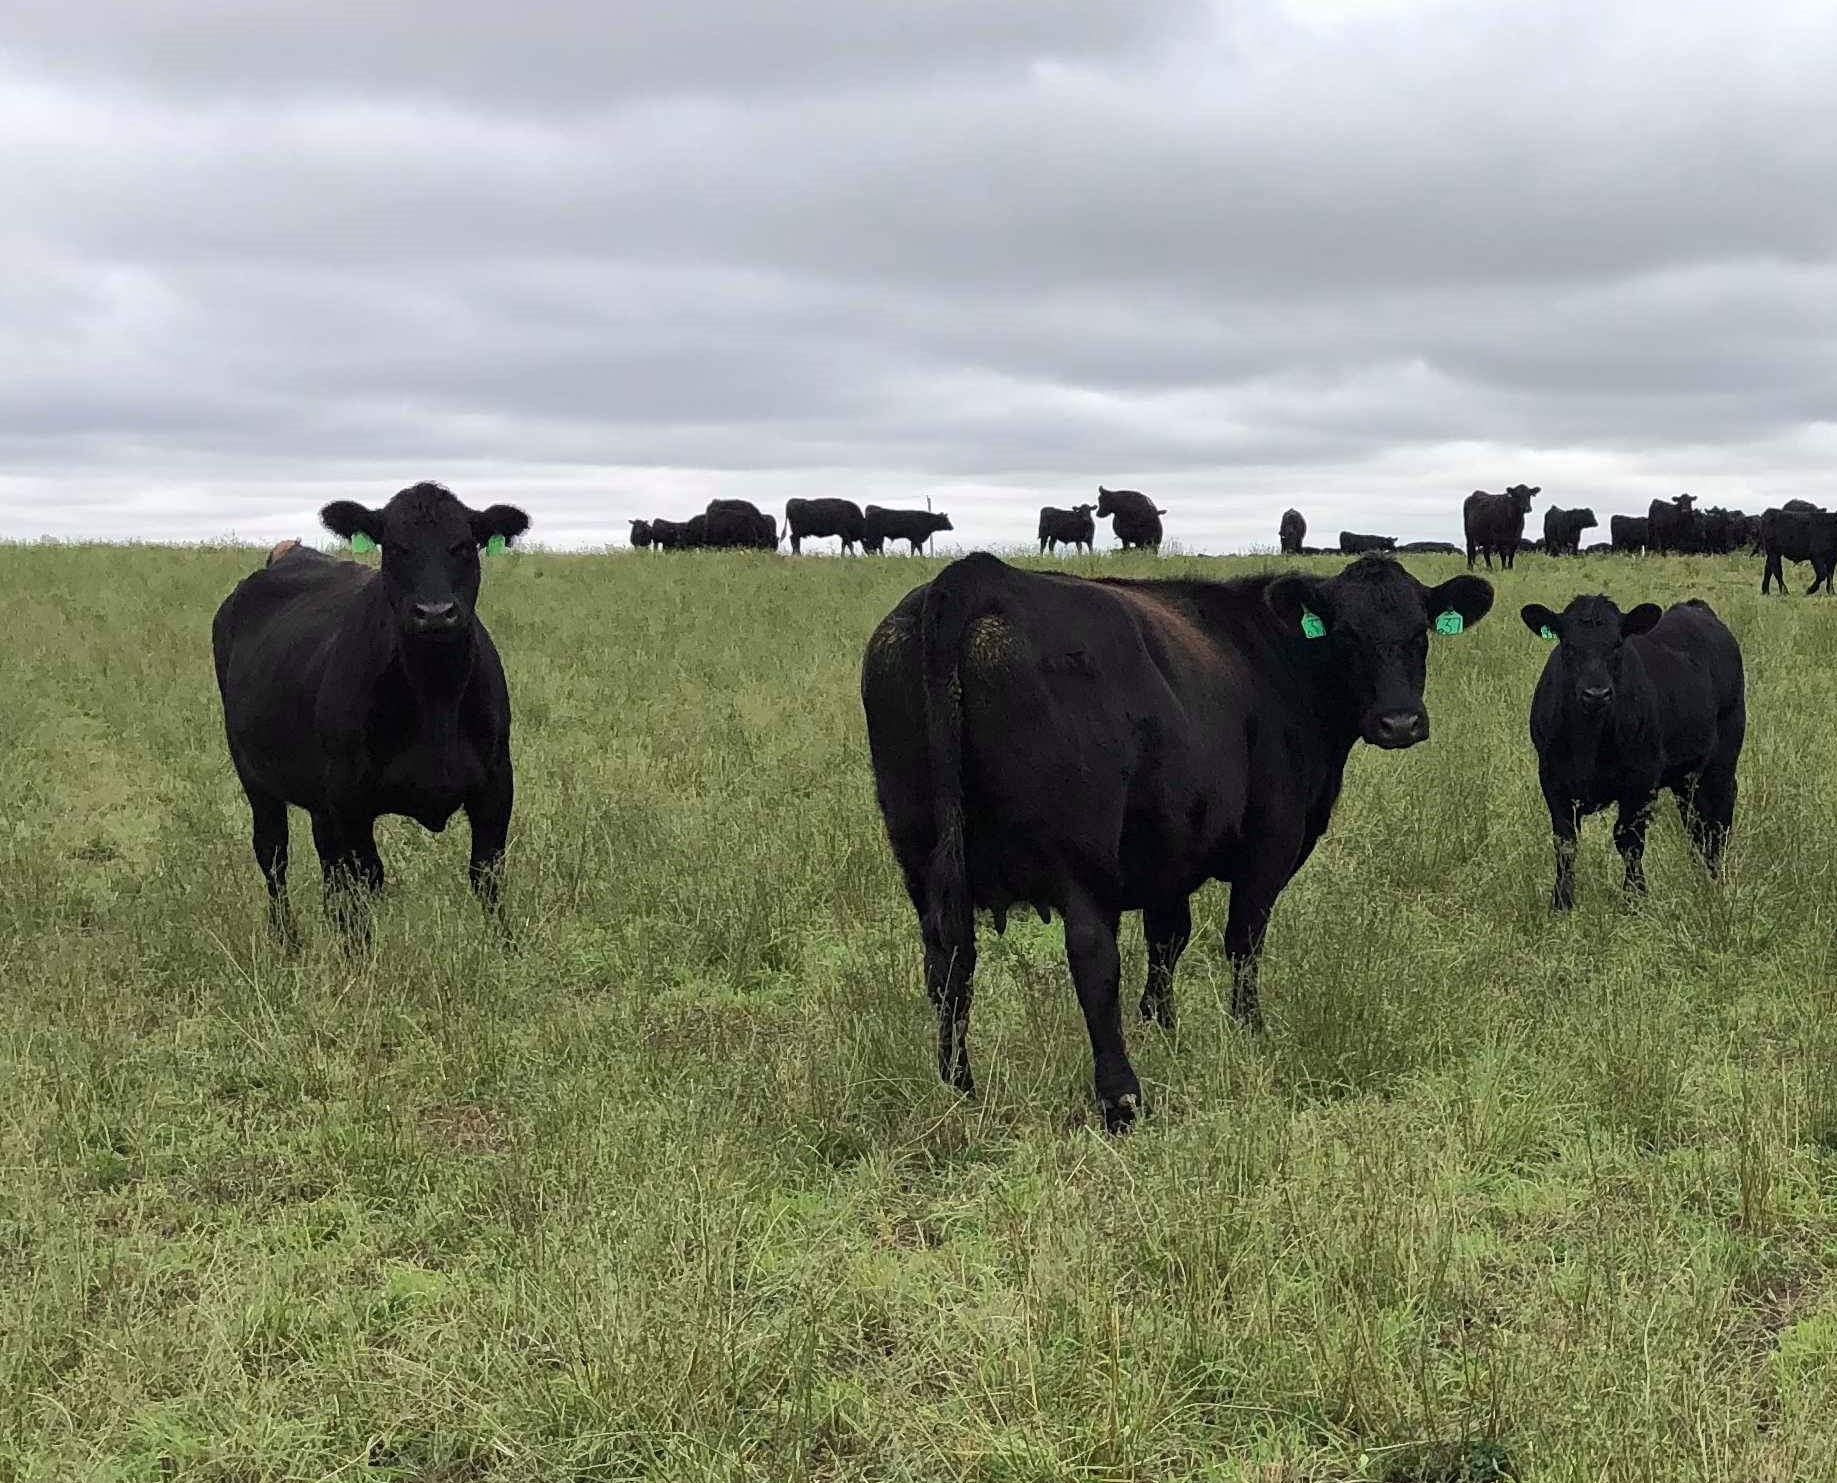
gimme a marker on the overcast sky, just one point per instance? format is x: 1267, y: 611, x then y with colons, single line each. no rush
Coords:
x: 613, y: 259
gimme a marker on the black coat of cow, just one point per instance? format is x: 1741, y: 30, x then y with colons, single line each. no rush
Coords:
x: 805, y: 518
x: 1429, y: 548
x: 1074, y: 527
x: 1292, y: 532
x: 1095, y: 747
x: 1630, y: 703
x: 1563, y: 530
x: 738, y: 525
x: 680, y: 535
x: 1494, y: 523
x: 1133, y: 516
x: 641, y: 534
x: 879, y: 525
x: 353, y: 693
x: 1798, y: 535
x: 1727, y: 531
x: 1351, y: 543
x: 1628, y: 532
x: 1674, y: 527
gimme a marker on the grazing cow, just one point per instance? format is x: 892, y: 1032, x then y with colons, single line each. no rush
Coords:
x: 805, y: 518
x: 1629, y: 703
x: 878, y: 526
x: 1673, y: 527
x: 1095, y: 747
x: 1494, y: 523
x: 1292, y: 532
x: 738, y: 525
x: 353, y: 693
x: 1074, y: 526
x: 1628, y: 532
x: 640, y: 535
x: 1133, y: 515
x: 1351, y: 543
x: 1597, y: 548
x: 1563, y: 530
x: 1798, y: 535
x: 680, y: 535
x: 1429, y: 548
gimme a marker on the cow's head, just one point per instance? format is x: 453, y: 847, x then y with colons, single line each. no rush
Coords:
x: 1106, y: 501
x: 938, y: 522
x: 641, y: 533
x: 1584, y: 519
x: 1521, y: 495
x: 1591, y: 635
x: 430, y: 544
x: 1083, y: 509
x: 1377, y: 619
x: 1684, y: 502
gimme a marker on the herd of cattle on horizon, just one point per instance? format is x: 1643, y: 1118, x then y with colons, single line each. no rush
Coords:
x: 1080, y: 746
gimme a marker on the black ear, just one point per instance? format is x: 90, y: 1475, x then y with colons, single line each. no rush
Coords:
x: 1537, y: 618
x: 1470, y: 596
x: 500, y: 520
x: 347, y: 518
x: 1640, y: 620
x: 1291, y: 595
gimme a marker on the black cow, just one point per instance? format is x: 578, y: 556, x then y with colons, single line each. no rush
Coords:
x: 1628, y: 532
x: 1673, y: 527
x: 1292, y: 532
x: 1351, y: 543
x: 1133, y: 516
x: 1494, y: 523
x: 805, y: 518
x: 1630, y: 703
x: 679, y: 535
x: 1798, y: 535
x: 1598, y: 548
x: 1095, y: 747
x: 1727, y: 531
x: 738, y: 525
x: 641, y: 534
x: 1563, y: 530
x: 1074, y: 526
x: 1429, y: 548
x: 353, y: 693
x: 878, y: 526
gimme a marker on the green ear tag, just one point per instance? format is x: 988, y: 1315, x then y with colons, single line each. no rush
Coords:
x: 361, y: 543
x: 1546, y: 632
x: 1450, y: 622
x: 1311, y: 626
x: 496, y: 545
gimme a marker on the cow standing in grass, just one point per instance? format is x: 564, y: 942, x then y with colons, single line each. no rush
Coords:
x: 353, y: 693
x: 1351, y: 543
x: 1674, y: 526
x: 1134, y: 518
x: 1095, y: 747
x: 1629, y: 703
x: 1292, y: 531
x: 1494, y: 523
x: 916, y: 527
x: 1563, y: 530
x: 805, y: 518
x: 1074, y: 527
x: 1803, y: 534
x: 1629, y: 533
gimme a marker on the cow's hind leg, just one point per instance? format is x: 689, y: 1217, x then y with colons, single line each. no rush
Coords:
x: 1167, y: 928
x: 1709, y: 813
x: 1630, y: 820
x: 1090, y: 949
x: 270, y: 837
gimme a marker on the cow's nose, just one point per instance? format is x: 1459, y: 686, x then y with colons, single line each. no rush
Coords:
x: 1400, y: 728
x: 436, y: 614
x: 1597, y: 695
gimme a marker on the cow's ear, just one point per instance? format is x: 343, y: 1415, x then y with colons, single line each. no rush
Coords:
x: 1640, y: 620
x: 347, y: 518
x: 1541, y: 621
x: 500, y: 520
x: 1537, y: 489
x: 1296, y: 599
x: 1470, y: 596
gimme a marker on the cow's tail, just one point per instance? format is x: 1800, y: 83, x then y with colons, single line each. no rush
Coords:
x: 950, y: 607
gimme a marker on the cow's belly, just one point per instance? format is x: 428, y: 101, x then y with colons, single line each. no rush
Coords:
x: 427, y: 787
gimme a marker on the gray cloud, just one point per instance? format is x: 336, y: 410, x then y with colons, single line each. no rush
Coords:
x: 1361, y: 256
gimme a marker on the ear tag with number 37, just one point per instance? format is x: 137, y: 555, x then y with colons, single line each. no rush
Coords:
x: 361, y: 543
x: 1450, y: 622
x: 1311, y: 626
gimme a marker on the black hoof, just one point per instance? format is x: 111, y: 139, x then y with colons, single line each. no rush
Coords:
x: 1119, y: 1113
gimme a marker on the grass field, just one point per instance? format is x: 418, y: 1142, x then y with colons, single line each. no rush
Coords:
x: 668, y: 1189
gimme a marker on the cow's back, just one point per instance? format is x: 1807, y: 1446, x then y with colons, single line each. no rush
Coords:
x: 1695, y: 665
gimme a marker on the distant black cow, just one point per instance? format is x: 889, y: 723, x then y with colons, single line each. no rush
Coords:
x: 1430, y: 548
x: 1351, y: 543
x: 680, y: 535
x: 1292, y: 532
x: 1726, y: 531
x: 805, y: 518
x: 1673, y: 527
x: 1563, y: 530
x: 1096, y: 747
x: 738, y: 525
x: 916, y: 527
x: 353, y: 693
x: 1133, y: 517
x: 1629, y: 532
x: 1798, y: 535
x: 1494, y: 523
x: 641, y: 534
x: 1597, y: 548
x: 1075, y: 527
x: 1630, y: 703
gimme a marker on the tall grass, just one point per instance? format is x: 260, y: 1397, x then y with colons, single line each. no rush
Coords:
x: 666, y: 1188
